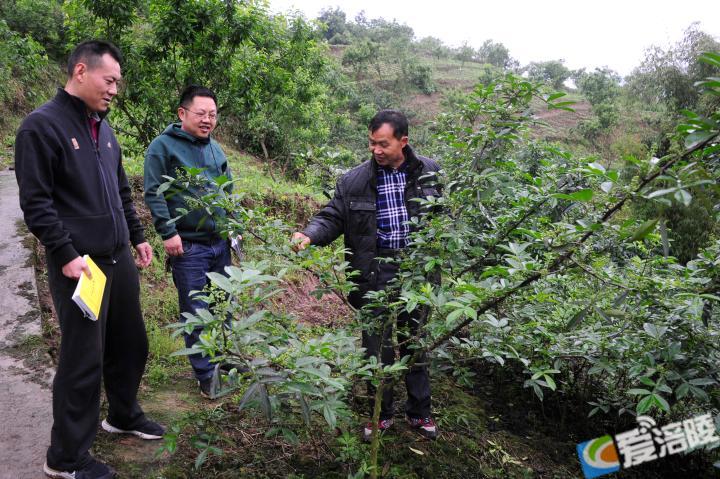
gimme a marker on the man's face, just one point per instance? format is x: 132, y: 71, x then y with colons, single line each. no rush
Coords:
x: 200, y: 117
x: 98, y: 85
x: 386, y: 149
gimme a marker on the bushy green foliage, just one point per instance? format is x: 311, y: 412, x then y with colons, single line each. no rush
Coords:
x: 433, y: 47
x: 599, y: 86
x: 552, y: 72
x: 269, y: 72
x: 539, y: 278
x: 24, y: 71
x: 668, y: 77
x: 42, y: 20
x: 495, y: 54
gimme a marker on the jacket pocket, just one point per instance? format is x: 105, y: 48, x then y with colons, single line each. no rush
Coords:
x: 93, y: 235
x: 362, y: 219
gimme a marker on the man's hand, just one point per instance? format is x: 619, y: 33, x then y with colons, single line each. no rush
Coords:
x: 74, y: 268
x: 173, y: 246
x: 144, y: 254
x: 300, y: 241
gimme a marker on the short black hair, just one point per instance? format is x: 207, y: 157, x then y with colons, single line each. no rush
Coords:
x: 191, y: 91
x: 89, y: 52
x: 394, y: 118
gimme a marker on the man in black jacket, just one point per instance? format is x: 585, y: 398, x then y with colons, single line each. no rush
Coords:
x: 76, y: 200
x: 372, y: 205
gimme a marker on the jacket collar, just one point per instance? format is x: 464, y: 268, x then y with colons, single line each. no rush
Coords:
x: 76, y: 104
x: 411, y: 165
x: 175, y: 130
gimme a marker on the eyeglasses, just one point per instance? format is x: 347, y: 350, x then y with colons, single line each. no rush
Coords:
x: 212, y: 116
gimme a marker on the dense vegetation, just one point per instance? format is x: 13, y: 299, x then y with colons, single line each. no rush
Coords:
x: 578, y: 257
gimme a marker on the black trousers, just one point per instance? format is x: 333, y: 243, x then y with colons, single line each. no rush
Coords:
x: 417, y: 379
x: 113, y: 348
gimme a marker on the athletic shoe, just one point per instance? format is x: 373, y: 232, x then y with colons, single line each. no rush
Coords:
x: 383, y: 425
x: 148, y: 430
x: 425, y: 426
x: 93, y: 470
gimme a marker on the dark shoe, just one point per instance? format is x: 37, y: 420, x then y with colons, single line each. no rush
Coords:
x: 383, y: 425
x: 425, y: 426
x: 148, y: 430
x: 93, y: 470
x: 206, y: 389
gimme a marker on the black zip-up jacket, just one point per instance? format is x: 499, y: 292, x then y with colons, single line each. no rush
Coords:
x: 74, y: 194
x: 352, y: 213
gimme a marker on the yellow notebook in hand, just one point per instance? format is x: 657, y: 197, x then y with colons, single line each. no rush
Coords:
x: 88, y: 294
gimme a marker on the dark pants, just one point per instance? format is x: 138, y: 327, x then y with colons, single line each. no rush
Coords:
x: 190, y: 274
x: 417, y: 380
x: 113, y: 348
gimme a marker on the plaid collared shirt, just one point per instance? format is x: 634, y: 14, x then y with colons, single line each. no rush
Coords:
x: 392, y: 216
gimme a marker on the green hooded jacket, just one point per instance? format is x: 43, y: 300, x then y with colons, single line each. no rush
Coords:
x: 169, y: 152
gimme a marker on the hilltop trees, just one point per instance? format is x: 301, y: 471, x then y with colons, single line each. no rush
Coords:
x: 553, y: 72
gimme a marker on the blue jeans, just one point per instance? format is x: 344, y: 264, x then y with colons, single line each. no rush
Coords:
x: 190, y: 274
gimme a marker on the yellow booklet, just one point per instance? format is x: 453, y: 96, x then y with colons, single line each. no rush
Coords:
x: 89, y: 292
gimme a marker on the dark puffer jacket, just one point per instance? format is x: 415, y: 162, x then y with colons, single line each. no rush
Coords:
x: 352, y: 213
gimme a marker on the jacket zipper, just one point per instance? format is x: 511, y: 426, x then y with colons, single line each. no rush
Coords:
x: 98, y: 162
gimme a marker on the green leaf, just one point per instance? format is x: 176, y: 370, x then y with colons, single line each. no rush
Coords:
x: 555, y: 96
x: 643, y: 230
x: 710, y: 58
x: 661, y: 402
x: 550, y: 382
x: 697, y: 137
x: 645, y: 404
x: 576, y: 319
x: 639, y: 392
x: 662, y: 192
x: 647, y: 381
x: 606, y: 186
x: 653, y: 331
x: 683, y: 196
x: 582, y: 196
x: 200, y: 459
x: 682, y: 390
x: 702, y: 381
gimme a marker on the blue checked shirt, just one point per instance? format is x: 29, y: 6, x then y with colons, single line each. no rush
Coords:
x: 392, y: 216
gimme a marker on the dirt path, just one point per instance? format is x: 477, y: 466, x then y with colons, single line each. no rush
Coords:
x: 25, y: 378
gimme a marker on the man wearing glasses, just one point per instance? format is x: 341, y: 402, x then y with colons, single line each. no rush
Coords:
x: 192, y: 243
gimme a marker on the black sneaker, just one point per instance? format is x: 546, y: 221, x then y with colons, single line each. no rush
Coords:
x: 383, y: 425
x: 425, y: 426
x: 148, y: 430
x: 93, y: 470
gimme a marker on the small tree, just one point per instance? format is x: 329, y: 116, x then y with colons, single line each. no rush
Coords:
x: 464, y: 53
x: 553, y: 72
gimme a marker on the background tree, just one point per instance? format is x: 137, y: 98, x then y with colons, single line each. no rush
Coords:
x: 336, y: 30
x: 495, y: 54
x: 433, y: 47
x: 553, y: 72
x: 40, y: 19
x: 269, y: 72
x: 464, y: 53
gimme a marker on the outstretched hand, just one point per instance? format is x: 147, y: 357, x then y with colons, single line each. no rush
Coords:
x: 300, y: 241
